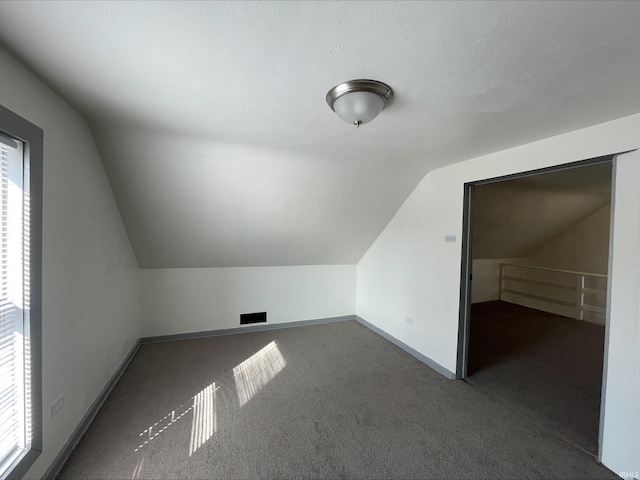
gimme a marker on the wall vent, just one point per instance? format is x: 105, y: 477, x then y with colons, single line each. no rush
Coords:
x: 246, y: 318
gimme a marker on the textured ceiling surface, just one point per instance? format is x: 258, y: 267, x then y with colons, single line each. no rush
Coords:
x: 513, y: 218
x: 219, y: 146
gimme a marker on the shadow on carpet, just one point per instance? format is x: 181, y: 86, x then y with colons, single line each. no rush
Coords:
x: 546, y: 366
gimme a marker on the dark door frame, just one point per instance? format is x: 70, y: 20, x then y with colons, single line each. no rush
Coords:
x: 467, y: 259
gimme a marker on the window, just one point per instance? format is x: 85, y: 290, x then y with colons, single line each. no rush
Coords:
x: 20, y: 293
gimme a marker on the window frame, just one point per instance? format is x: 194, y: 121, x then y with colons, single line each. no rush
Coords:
x: 14, y: 125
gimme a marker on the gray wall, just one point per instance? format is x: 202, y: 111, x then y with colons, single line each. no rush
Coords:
x: 583, y: 247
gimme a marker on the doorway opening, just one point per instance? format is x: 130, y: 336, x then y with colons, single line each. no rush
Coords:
x: 534, y: 293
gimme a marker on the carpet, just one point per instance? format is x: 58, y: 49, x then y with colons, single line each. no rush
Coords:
x: 323, y: 401
x: 546, y: 366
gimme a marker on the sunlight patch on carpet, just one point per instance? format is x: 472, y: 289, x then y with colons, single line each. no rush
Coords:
x: 256, y: 371
x: 205, y: 417
x: 204, y: 422
x: 138, y: 470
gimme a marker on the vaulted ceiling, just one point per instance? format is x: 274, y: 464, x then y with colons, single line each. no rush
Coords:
x: 221, y: 151
x: 514, y: 218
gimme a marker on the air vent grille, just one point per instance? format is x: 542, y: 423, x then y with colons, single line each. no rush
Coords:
x: 246, y: 318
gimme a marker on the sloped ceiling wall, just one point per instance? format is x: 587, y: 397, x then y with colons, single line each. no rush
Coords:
x: 515, y: 217
x: 211, y: 120
x: 583, y: 247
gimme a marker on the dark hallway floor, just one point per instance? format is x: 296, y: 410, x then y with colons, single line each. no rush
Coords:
x: 545, y: 366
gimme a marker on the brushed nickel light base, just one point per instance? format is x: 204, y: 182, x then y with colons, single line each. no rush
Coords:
x: 382, y: 90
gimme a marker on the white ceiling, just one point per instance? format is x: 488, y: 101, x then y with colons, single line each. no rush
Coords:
x: 220, y: 148
x: 514, y: 218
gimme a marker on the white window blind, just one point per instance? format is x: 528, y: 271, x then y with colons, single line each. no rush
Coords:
x: 14, y: 305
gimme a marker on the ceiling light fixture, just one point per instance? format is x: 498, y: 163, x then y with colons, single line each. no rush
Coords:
x: 359, y: 101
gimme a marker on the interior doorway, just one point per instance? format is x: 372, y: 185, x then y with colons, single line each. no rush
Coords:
x: 534, y: 293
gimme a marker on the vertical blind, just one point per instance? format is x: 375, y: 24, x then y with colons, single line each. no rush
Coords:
x: 14, y: 305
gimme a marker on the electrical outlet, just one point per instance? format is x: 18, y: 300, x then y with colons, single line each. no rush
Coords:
x: 409, y: 320
x: 57, y: 405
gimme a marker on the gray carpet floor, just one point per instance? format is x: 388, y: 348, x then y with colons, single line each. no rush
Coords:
x: 546, y: 366
x: 324, y: 401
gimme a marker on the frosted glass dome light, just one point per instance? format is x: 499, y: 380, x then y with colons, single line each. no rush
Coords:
x: 359, y: 101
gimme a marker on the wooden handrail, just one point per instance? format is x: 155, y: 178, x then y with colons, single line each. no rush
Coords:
x: 540, y: 297
x: 579, y: 289
x: 543, y: 284
x: 599, y: 275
